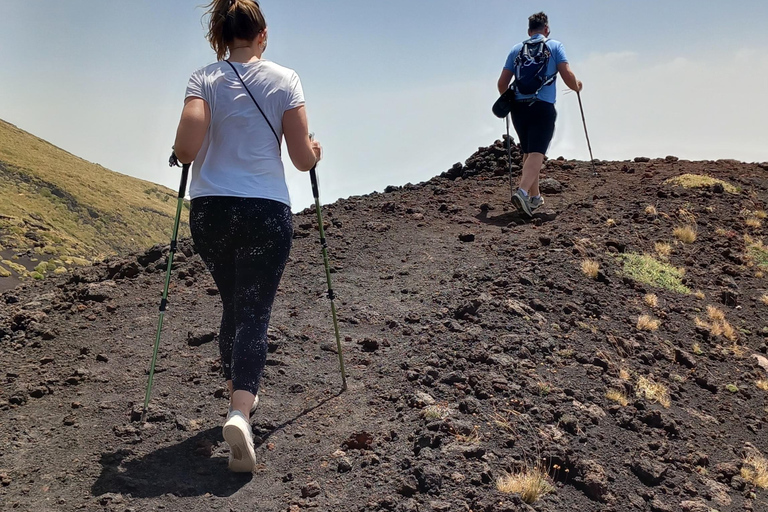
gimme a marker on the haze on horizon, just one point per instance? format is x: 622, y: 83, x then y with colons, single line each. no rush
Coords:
x: 397, y: 91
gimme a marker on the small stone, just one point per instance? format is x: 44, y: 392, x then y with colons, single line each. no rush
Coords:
x: 345, y: 465
x: 467, y: 237
x: 311, y: 490
x: 102, y: 358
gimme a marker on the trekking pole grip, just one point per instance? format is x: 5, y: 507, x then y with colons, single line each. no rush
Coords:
x: 313, y: 178
x: 183, y: 184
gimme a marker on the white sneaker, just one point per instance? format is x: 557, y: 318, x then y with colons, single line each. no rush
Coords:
x: 238, y: 435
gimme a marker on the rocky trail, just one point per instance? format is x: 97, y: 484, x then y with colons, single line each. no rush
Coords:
x: 478, y: 345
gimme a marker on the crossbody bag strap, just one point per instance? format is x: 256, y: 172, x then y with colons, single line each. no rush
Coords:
x: 279, y: 144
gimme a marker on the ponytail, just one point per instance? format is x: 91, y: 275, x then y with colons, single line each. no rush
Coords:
x: 233, y: 19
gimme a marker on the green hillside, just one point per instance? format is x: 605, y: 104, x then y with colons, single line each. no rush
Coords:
x: 58, y: 210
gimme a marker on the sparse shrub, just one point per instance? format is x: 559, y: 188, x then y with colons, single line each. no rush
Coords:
x: 653, y: 391
x: 755, y: 469
x: 617, y: 396
x: 544, y: 388
x: 4, y: 272
x: 733, y: 388
x: 651, y: 210
x: 591, y: 268
x: 663, y: 249
x: 436, y: 412
x: 686, y: 234
x: 757, y: 252
x: 651, y: 300
x: 37, y: 276
x: 700, y: 181
x: 530, y: 483
x: 647, y: 323
x: 648, y: 270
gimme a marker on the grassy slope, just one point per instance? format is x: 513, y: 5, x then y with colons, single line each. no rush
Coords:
x: 74, y: 207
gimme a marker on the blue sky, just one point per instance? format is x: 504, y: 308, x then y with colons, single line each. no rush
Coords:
x: 397, y: 91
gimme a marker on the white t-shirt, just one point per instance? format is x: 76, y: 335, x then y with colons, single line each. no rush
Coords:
x: 240, y: 155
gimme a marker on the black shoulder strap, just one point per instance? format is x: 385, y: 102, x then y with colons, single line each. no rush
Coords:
x: 279, y: 144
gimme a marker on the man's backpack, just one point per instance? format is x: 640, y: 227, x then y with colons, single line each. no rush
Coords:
x: 531, y: 67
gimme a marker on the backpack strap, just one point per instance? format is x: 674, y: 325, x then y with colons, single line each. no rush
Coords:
x: 279, y: 143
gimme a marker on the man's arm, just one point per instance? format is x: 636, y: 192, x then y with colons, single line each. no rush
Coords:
x: 504, y: 80
x: 569, y: 77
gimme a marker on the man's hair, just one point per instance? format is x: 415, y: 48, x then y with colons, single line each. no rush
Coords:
x: 538, y: 21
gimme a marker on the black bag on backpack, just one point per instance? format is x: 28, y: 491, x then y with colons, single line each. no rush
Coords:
x: 531, y: 67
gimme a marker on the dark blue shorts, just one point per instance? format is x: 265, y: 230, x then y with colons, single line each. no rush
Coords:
x: 534, y: 124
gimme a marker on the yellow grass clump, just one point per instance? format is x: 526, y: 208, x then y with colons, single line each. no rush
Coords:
x: 663, y: 249
x: 651, y: 300
x: 718, y: 325
x: 760, y: 214
x: 653, y: 391
x: 647, y: 323
x: 436, y: 412
x: 530, y: 483
x: 755, y: 469
x: 700, y: 181
x: 764, y: 299
x: 624, y: 374
x: 762, y: 384
x: 686, y: 234
x: 753, y: 222
x: 617, y: 396
x: 651, y: 210
x: 591, y: 268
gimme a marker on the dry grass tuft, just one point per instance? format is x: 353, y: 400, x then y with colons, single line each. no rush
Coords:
x: 647, y: 323
x: 610, y: 223
x: 663, y: 249
x: 760, y: 214
x: 697, y: 349
x: 591, y: 268
x: 764, y: 299
x: 624, y: 374
x: 436, y: 412
x: 715, y: 314
x: 701, y: 181
x: 718, y: 325
x: 757, y: 252
x: 755, y: 469
x: 753, y: 222
x: 686, y: 234
x: 653, y: 391
x: 651, y: 210
x: 530, y: 483
x: 651, y: 300
x: 617, y: 396
x: 762, y: 384
x: 699, y: 295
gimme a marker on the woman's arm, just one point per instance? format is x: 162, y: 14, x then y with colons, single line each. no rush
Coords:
x: 304, y: 153
x: 195, y: 119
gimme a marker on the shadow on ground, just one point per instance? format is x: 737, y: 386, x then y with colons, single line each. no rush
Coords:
x: 185, y: 469
x: 515, y: 218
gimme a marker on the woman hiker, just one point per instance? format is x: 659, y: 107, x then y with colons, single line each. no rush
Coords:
x: 235, y: 114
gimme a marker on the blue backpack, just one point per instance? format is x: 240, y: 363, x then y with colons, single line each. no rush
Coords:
x: 531, y: 67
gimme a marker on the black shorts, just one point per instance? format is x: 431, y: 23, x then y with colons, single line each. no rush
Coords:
x: 534, y: 124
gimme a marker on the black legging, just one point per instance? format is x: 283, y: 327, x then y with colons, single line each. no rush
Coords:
x: 245, y: 243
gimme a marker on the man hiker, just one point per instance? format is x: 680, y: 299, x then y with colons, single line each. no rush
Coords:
x: 534, y: 64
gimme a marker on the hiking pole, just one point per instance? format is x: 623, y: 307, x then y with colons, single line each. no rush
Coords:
x: 584, y: 122
x: 173, y: 162
x: 509, y: 157
x: 331, y: 296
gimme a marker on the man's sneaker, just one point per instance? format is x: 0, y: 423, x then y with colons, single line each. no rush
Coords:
x: 237, y: 433
x: 536, y: 202
x: 522, y: 203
